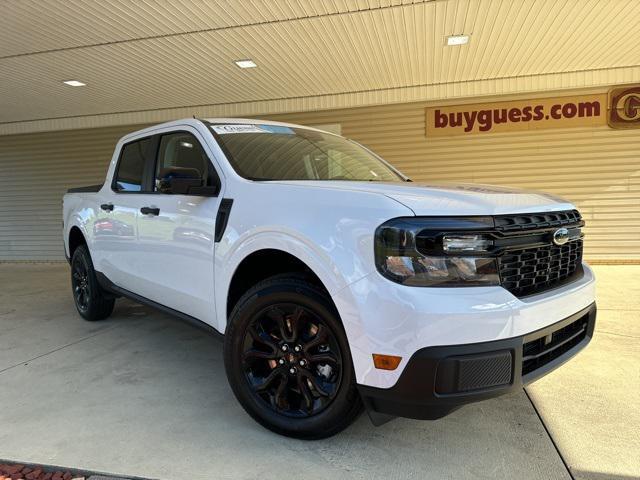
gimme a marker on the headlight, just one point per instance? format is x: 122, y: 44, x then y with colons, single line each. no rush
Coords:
x: 466, y: 243
x: 437, y: 251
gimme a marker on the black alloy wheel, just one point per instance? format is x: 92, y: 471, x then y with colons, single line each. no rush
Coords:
x: 80, y: 285
x: 288, y: 361
x: 91, y: 301
x: 292, y: 360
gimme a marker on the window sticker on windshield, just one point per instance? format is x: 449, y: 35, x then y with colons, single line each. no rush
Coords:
x: 237, y: 128
x: 278, y: 129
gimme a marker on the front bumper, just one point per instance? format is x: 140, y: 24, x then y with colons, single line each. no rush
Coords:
x: 437, y: 380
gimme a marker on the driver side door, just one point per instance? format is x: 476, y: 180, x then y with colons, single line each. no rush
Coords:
x: 176, y: 231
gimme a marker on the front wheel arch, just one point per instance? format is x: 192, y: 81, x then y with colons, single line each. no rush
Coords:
x: 76, y: 238
x: 262, y: 264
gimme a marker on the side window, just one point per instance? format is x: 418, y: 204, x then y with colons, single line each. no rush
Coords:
x: 130, y: 173
x: 181, y: 156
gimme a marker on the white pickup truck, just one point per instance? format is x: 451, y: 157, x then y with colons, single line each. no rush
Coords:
x: 337, y: 282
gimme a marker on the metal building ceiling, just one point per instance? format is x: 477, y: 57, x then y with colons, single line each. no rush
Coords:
x: 151, y: 60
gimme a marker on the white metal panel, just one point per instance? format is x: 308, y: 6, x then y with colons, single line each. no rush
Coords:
x: 152, y: 61
x: 64, y: 24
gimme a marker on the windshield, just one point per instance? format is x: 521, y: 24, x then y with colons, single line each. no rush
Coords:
x: 274, y: 152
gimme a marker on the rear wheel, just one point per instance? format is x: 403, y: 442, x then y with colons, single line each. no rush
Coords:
x: 288, y: 361
x: 91, y: 301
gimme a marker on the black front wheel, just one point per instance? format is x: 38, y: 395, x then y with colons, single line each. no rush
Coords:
x: 91, y: 301
x: 288, y: 361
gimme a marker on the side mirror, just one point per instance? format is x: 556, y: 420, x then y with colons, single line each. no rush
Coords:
x: 207, y: 191
x: 183, y: 186
x: 180, y: 181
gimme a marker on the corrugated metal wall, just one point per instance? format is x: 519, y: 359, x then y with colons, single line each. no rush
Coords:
x: 598, y: 169
x: 35, y: 171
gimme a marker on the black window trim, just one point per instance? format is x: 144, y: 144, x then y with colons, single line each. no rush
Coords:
x: 149, y: 158
x: 212, y: 170
x: 151, y: 163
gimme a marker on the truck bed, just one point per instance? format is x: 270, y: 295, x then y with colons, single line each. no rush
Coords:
x: 87, y: 189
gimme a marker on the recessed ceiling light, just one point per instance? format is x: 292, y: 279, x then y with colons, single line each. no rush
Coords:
x: 74, y: 83
x: 246, y: 63
x: 457, y: 39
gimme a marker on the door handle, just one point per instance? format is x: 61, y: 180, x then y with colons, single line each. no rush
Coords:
x: 150, y: 211
x: 107, y: 207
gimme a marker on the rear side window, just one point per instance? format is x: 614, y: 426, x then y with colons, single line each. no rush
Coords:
x: 130, y: 174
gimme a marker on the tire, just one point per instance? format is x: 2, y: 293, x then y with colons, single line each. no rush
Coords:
x: 91, y: 301
x: 317, y: 401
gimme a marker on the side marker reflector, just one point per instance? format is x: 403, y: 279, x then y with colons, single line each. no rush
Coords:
x: 386, y: 362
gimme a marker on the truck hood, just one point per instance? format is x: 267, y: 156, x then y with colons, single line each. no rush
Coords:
x: 451, y: 199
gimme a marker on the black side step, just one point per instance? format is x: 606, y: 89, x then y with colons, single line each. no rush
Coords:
x: 111, y: 287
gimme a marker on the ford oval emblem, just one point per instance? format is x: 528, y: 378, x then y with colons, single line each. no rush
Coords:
x: 561, y: 236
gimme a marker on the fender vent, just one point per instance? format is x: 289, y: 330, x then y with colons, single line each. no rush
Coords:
x: 222, y: 217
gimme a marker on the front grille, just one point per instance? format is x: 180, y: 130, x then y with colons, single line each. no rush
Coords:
x: 533, y: 270
x: 539, y: 352
x: 533, y: 263
x: 536, y: 221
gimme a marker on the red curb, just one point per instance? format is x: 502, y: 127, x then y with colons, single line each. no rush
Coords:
x: 22, y: 472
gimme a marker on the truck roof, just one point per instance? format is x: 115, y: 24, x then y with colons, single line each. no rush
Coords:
x: 198, y: 121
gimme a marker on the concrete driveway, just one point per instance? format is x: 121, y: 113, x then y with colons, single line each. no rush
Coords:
x: 144, y: 394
